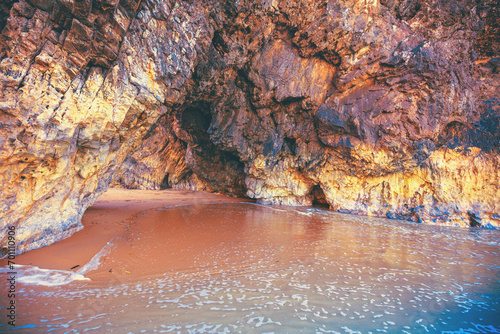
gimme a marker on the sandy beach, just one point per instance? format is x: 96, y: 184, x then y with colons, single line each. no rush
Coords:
x: 110, y: 216
x: 180, y: 261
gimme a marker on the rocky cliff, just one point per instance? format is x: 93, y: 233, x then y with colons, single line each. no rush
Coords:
x: 378, y: 107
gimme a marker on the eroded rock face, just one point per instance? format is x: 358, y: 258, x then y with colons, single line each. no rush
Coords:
x: 82, y: 84
x: 387, y: 108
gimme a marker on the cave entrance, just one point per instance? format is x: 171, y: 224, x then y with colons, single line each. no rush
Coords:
x: 164, y: 182
x: 319, y: 198
x: 196, y: 119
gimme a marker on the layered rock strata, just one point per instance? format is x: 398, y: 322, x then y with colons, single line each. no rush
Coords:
x: 386, y: 108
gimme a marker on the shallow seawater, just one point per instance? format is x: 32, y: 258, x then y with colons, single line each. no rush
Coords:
x: 245, y: 268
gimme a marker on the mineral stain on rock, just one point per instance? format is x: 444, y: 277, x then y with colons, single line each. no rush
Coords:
x: 386, y: 108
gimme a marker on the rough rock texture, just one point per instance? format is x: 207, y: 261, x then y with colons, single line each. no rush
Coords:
x: 387, y: 108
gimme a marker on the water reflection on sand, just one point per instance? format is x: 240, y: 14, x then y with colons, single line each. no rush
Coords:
x: 245, y: 268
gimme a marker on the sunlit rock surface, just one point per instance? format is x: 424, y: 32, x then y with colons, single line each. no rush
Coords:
x: 386, y: 108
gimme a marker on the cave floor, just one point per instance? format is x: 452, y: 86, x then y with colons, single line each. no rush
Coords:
x: 109, y: 217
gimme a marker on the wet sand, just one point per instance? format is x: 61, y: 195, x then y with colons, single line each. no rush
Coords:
x: 109, y: 217
x: 246, y: 268
x: 181, y: 261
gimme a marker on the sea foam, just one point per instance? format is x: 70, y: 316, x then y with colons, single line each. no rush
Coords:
x: 34, y: 275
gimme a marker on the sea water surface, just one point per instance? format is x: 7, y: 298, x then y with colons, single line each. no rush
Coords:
x: 246, y: 268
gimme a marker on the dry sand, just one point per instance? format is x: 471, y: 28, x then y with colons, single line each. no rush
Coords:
x: 110, y: 216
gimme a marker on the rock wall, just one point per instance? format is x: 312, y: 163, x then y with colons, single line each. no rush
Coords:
x: 387, y: 108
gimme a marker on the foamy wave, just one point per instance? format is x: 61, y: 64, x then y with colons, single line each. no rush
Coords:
x: 288, y: 210
x: 50, y: 277
x: 94, y: 263
x: 47, y: 277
